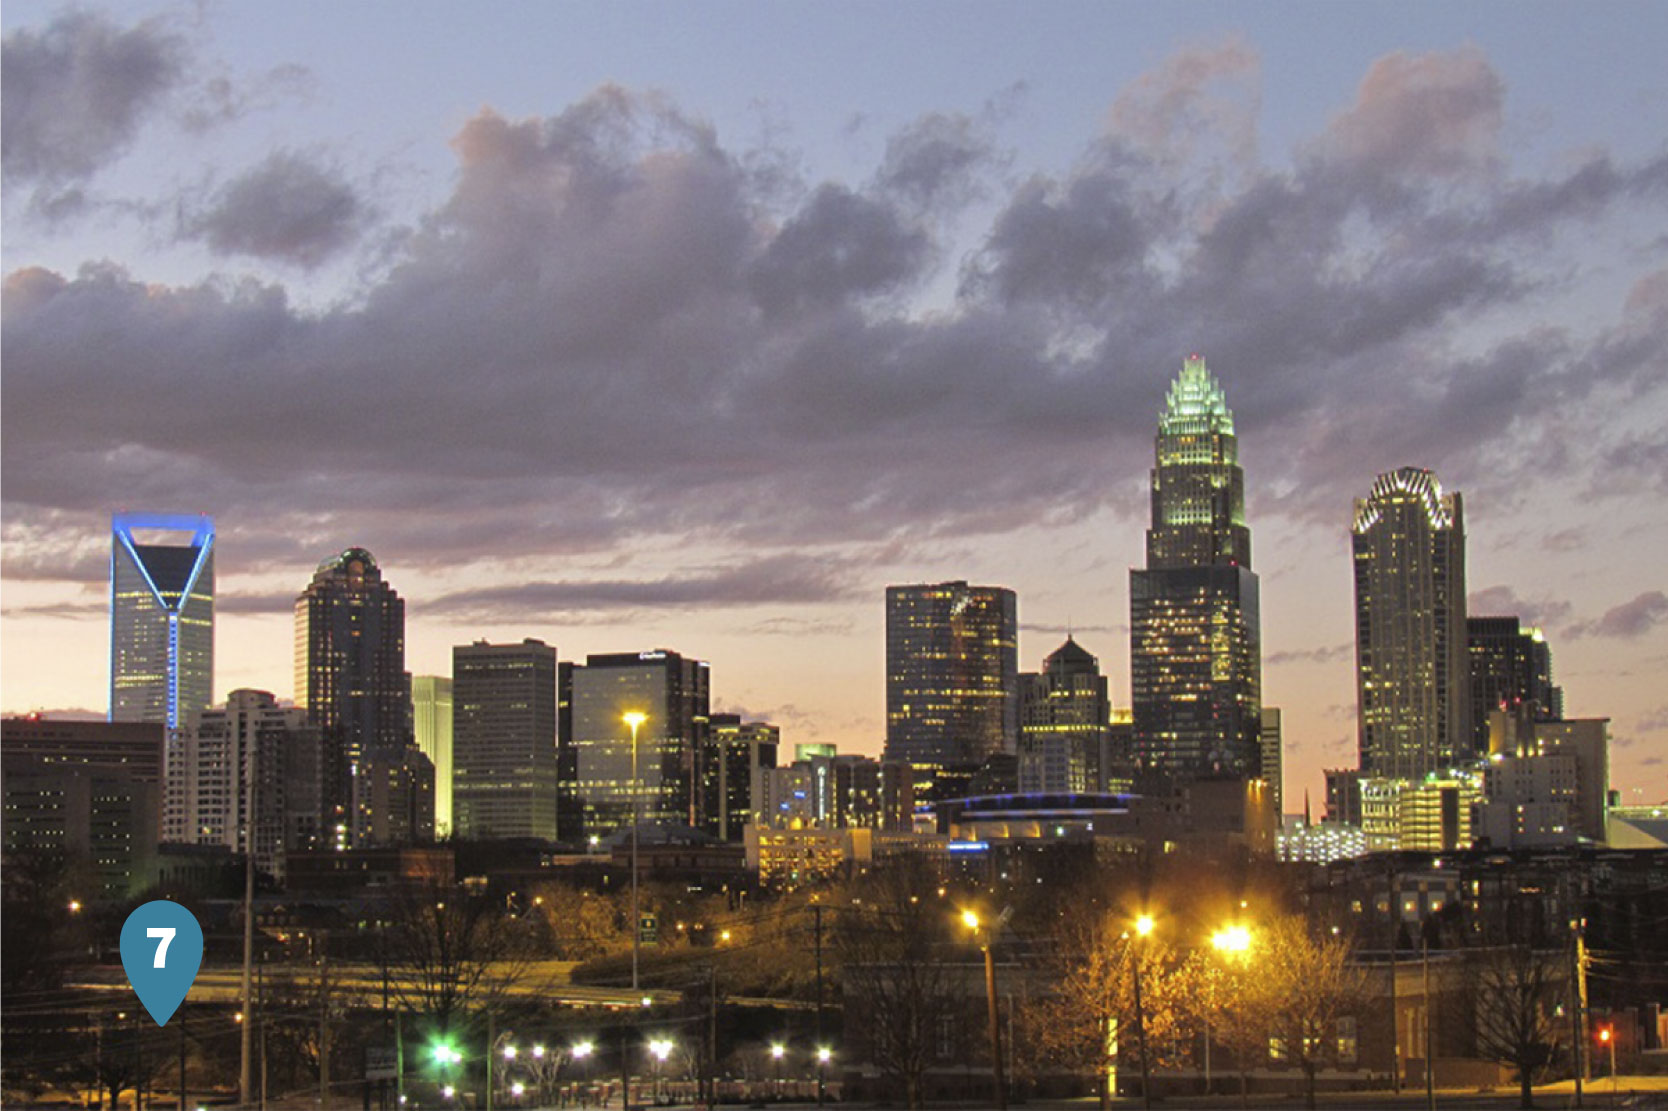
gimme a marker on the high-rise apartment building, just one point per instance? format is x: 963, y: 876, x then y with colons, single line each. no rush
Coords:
x: 1510, y: 666
x: 743, y: 751
x: 350, y: 674
x: 952, y: 674
x: 431, y: 725
x: 250, y: 761
x: 1414, y: 706
x: 504, y: 739
x: 161, y: 616
x: 1195, y: 655
x: 673, y: 693
x: 1064, y: 720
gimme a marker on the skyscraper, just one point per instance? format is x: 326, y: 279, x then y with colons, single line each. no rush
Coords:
x: 504, y: 739
x: 743, y: 751
x: 249, y: 761
x: 1064, y: 715
x: 431, y: 725
x: 1412, y: 675
x: 1510, y: 666
x: 1195, y: 655
x: 161, y: 616
x: 673, y: 693
x: 350, y: 672
x: 952, y: 674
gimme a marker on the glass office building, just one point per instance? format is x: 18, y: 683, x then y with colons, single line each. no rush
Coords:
x: 1195, y: 639
x: 161, y: 617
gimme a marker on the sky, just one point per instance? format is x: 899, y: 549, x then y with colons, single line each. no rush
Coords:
x: 647, y: 325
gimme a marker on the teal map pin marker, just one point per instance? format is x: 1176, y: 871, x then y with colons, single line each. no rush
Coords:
x: 162, y: 948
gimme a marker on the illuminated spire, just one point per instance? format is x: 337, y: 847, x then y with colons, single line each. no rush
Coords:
x: 1196, y: 404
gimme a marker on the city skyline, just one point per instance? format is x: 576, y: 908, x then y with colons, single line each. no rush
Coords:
x: 637, y: 339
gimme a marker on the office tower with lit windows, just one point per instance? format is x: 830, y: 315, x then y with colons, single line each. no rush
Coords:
x: 673, y: 693
x: 161, y: 616
x: 1064, y: 721
x: 350, y: 675
x: 504, y: 740
x: 742, y: 752
x: 952, y: 674
x: 1412, y: 673
x: 1511, y: 666
x: 1195, y: 655
x: 431, y: 726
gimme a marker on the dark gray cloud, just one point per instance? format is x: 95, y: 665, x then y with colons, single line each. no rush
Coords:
x: 289, y: 208
x: 1310, y: 655
x: 1503, y: 601
x: 1628, y: 621
x: 773, y: 580
x: 610, y: 330
x: 74, y: 95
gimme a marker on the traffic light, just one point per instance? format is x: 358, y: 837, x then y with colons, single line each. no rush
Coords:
x: 445, y: 1054
x: 1604, y: 1034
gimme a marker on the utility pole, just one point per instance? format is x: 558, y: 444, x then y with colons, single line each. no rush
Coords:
x: 712, y: 1038
x: 182, y: 1062
x: 1395, y: 1019
x: 817, y: 909
x: 245, y: 1077
x: 492, y: 1047
x: 1430, y: 1062
x: 324, y: 1018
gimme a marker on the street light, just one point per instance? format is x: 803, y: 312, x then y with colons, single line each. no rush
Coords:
x: 1233, y: 942
x: 635, y: 719
x: 777, y: 1052
x: 987, y: 942
x: 1607, y: 1035
x: 661, y: 1048
x: 824, y: 1055
x: 1143, y: 928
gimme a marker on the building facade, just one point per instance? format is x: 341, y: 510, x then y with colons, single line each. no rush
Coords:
x: 350, y: 675
x: 743, y: 753
x: 504, y: 739
x: 1510, y: 666
x: 1412, y: 674
x: 84, y: 792
x: 431, y: 725
x: 1064, y: 718
x: 161, y: 616
x: 248, y: 763
x: 673, y: 693
x: 1195, y: 623
x: 952, y: 674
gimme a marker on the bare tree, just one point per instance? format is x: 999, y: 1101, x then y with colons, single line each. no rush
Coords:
x: 1514, y: 1017
x: 893, y: 942
x: 1304, y: 986
x: 449, y: 952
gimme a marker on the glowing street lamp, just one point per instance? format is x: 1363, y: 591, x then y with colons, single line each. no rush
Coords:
x: 987, y: 942
x: 660, y: 1049
x: 1143, y: 928
x: 777, y: 1052
x: 1232, y: 941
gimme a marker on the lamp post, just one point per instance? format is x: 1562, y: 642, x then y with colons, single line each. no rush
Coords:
x: 1233, y: 942
x: 824, y: 1055
x: 777, y: 1052
x: 635, y: 720
x: 661, y: 1048
x: 987, y: 942
x: 1143, y: 928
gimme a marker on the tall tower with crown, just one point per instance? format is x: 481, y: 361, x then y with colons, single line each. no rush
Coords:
x: 1195, y: 656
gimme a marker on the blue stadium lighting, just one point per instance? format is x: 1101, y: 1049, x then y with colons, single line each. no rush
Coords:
x: 969, y: 846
